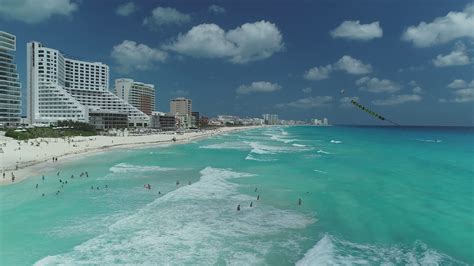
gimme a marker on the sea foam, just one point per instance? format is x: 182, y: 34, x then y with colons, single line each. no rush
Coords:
x: 195, y: 224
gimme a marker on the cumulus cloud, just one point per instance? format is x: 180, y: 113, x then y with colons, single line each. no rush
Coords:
x: 345, y: 102
x: 417, y: 90
x: 353, y: 30
x: 376, y: 85
x: 161, y: 16
x: 457, y: 84
x: 458, y: 57
x: 216, y: 9
x: 307, y: 90
x: 352, y: 66
x: 126, y: 9
x: 258, y: 86
x: 442, y: 29
x: 308, y: 103
x: 131, y: 55
x: 318, y: 73
x: 462, y: 91
x: 464, y: 95
x: 346, y: 63
x: 249, y: 42
x: 398, y: 99
x: 34, y: 11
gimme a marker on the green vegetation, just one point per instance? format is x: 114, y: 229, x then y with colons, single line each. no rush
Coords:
x: 65, y: 129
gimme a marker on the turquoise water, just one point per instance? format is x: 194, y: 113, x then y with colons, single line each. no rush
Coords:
x: 370, y: 195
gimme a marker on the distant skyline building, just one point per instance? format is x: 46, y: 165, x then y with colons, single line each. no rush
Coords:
x: 138, y: 94
x: 270, y: 119
x: 61, y: 88
x: 181, y: 106
x: 10, y: 86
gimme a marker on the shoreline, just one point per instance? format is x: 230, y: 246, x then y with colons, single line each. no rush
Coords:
x: 25, y: 160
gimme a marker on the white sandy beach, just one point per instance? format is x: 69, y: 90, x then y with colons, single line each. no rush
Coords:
x: 24, y: 160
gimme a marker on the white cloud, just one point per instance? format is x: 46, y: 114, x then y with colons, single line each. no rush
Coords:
x: 126, y: 9
x: 346, y: 101
x: 34, y: 11
x: 443, y: 29
x: 376, y: 85
x: 166, y: 15
x: 353, y: 30
x: 131, y: 55
x: 307, y: 90
x: 464, y: 92
x: 318, y: 73
x: 352, y: 66
x: 457, y: 84
x: 258, y: 86
x: 308, y: 103
x: 458, y: 57
x: 249, y: 42
x: 216, y: 9
x: 464, y: 95
x: 417, y: 90
x: 398, y: 99
x: 346, y: 63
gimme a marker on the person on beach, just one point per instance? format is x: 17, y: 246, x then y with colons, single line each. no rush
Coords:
x: 13, y: 177
x: 57, y: 174
x: 3, y: 175
x: 238, y: 207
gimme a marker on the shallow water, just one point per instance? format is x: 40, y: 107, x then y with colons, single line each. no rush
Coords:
x: 369, y: 196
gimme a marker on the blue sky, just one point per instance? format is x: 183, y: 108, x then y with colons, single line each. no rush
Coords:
x: 411, y: 61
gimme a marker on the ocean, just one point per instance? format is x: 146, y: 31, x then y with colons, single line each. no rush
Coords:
x: 369, y: 196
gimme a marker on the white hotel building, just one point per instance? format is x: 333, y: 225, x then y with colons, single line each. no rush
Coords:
x: 61, y: 88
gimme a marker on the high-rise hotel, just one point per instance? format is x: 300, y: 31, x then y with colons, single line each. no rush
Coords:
x: 10, y: 87
x: 138, y: 94
x: 62, y: 88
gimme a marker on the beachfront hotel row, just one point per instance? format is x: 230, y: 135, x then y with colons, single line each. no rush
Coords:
x: 60, y: 87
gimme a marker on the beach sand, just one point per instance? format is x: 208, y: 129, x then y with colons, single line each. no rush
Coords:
x: 25, y: 160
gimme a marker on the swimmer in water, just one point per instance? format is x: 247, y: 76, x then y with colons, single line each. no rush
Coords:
x: 258, y: 197
x: 299, y: 201
x: 251, y: 204
x: 36, y: 186
x: 177, y: 182
x: 238, y: 207
x: 255, y: 189
x: 42, y: 177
